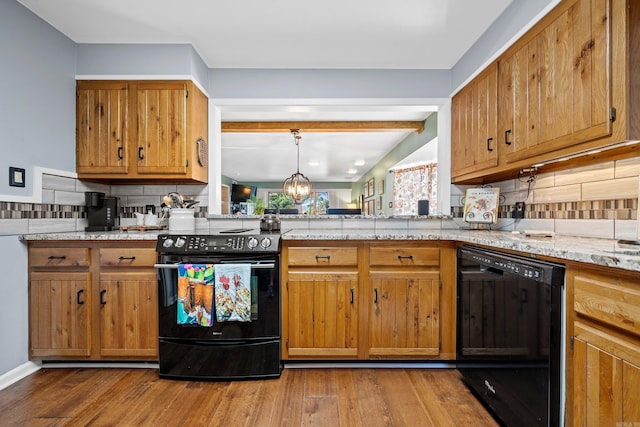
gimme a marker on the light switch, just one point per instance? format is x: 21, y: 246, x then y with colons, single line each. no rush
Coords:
x: 16, y: 177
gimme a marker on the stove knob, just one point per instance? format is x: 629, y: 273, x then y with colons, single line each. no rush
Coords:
x: 252, y: 242
x: 167, y: 243
x: 265, y: 243
x: 180, y: 242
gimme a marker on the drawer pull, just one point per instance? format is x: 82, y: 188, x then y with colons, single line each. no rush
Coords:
x: 102, y: 294
x: 78, y: 295
x: 401, y: 257
x: 506, y: 137
x: 52, y: 257
x: 375, y: 300
x: 319, y: 257
x: 352, y: 296
x: 140, y: 156
x: 130, y: 258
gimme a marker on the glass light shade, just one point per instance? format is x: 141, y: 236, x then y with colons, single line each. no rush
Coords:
x: 297, y: 186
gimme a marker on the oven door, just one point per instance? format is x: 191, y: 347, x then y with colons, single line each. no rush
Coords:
x: 265, y: 312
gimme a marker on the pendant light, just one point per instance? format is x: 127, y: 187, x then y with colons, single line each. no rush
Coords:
x: 297, y: 185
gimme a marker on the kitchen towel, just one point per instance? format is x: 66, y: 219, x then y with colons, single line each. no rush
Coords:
x: 195, y: 294
x: 233, y: 292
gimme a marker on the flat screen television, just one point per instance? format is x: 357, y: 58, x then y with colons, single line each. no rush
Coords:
x: 242, y: 193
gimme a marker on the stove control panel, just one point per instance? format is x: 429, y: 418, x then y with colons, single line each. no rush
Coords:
x: 219, y: 243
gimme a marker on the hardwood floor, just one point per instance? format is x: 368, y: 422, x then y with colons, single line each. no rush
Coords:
x: 301, y: 397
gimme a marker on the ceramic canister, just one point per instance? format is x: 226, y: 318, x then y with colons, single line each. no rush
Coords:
x: 182, y: 220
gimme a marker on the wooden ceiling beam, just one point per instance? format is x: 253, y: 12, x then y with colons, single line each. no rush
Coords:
x: 332, y: 126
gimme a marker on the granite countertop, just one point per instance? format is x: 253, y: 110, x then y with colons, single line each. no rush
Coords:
x: 605, y: 252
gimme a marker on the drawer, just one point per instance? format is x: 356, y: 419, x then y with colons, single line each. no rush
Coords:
x: 127, y: 257
x: 399, y: 256
x: 612, y: 303
x: 323, y: 256
x: 58, y: 257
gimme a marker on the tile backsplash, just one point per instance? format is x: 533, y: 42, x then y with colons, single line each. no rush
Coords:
x: 63, y: 204
x: 593, y: 201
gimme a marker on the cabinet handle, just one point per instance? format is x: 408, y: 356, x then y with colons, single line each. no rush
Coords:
x: 120, y: 153
x: 131, y: 258
x: 78, y: 295
x: 51, y: 257
x: 506, y: 136
x: 319, y: 257
x: 352, y: 296
x: 140, y: 156
x: 375, y: 300
x: 102, y: 293
x: 401, y: 257
x: 489, y: 144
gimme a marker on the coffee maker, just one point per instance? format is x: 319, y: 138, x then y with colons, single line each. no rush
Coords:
x: 102, y: 211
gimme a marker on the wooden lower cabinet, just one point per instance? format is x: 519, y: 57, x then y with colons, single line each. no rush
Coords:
x: 404, y: 314
x: 128, y: 314
x: 93, y: 301
x: 603, y: 349
x: 59, y: 314
x: 322, y: 321
x: 361, y: 300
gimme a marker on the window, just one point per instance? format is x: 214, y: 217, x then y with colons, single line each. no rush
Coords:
x: 413, y: 184
x: 316, y: 204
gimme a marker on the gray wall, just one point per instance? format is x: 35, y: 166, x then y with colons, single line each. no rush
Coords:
x: 155, y: 61
x: 515, y: 17
x: 37, y: 118
x: 13, y: 294
x: 37, y: 105
x: 313, y: 83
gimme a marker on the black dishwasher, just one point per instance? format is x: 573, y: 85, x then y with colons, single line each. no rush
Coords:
x: 509, y: 339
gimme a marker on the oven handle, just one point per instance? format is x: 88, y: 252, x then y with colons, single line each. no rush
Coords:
x: 253, y: 266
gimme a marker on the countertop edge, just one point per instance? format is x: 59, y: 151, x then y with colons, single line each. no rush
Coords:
x: 600, y: 252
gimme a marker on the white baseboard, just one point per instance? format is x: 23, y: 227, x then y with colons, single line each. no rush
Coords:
x: 18, y: 373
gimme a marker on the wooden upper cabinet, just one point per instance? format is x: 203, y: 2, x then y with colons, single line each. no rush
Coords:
x: 102, y: 132
x: 474, y: 123
x: 162, y: 128
x: 554, y: 88
x: 142, y: 130
x: 566, y: 89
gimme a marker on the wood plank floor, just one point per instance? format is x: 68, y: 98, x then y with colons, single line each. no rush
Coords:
x: 300, y: 397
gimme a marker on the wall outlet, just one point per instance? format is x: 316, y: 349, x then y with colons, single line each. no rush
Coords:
x: 518, y: 210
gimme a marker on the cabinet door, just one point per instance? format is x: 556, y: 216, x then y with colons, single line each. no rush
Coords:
x: 59, y: 314
x: 597, y: 386
x: 474, y: 125
x: 404, y: 315
x: 162, y: 128
x: 128, y: 314
x: 555, y: 90
x: 519, y: 87
x: 101, y: 121
x: 322, y: 314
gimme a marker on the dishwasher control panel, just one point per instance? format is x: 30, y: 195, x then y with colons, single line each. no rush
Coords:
x: 210, y: 244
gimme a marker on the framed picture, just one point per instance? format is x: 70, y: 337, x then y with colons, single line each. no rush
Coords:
x: 378, y: 203
x: 371, y: 188
x: 381, y: 186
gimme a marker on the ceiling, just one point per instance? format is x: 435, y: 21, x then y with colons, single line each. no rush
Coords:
x: 342, y: 34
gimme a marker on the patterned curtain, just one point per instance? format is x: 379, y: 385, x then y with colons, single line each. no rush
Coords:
x: 413, y: 184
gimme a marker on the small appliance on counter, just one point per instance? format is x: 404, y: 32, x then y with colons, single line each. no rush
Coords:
x: 102, y: 212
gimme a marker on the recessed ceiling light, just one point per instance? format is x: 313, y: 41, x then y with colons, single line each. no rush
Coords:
x: 314, y: 163
x: 352, y: 171
x: 359, y: 162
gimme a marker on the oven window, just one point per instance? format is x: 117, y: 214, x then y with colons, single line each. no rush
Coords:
x: 188, y: 307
